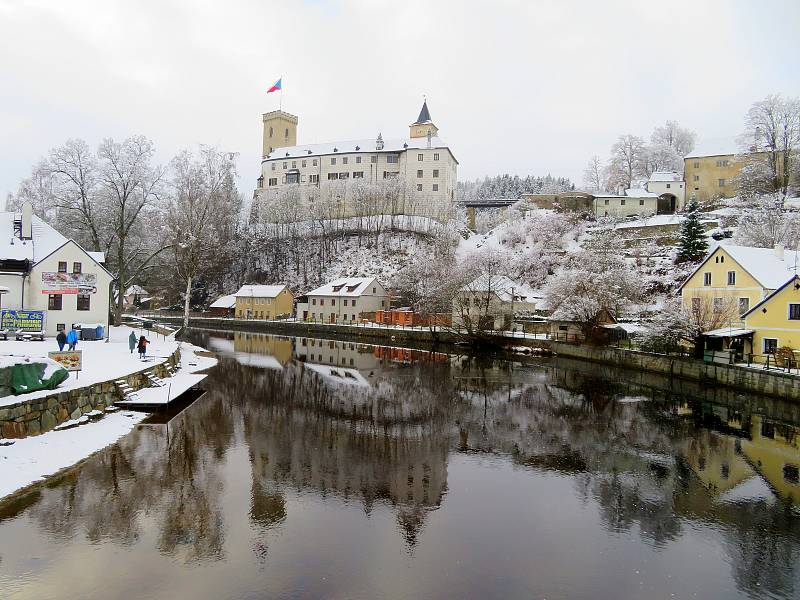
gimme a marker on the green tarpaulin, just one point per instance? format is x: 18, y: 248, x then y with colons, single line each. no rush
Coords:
x: 29, y: 377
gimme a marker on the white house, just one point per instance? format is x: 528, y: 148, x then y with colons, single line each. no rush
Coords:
x: 45, y: 271
x: 670, y: 189
x: 492, y: 302
x: 343, y: 300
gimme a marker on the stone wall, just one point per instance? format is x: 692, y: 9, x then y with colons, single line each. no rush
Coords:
x: 758, y: 381
x: 38, y: 415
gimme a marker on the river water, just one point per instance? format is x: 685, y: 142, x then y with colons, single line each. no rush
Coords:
x: 321, y: 469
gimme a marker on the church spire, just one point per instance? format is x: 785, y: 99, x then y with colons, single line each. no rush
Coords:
x: 424, y: 114
x: 423, y: 126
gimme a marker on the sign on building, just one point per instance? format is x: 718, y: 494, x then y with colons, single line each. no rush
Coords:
x: 69, y: 283
x: 26, y: 320
x: 71, y: 360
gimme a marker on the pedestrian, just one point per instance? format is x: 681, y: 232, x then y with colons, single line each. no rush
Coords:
x: 61, y: 338
x: 143, y: 341
x: 132, y: 341
x: 72, y: 339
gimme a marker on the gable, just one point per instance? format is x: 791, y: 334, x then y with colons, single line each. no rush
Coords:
x: 774, y: 309
x: 57, y: 254
x: 718, y: 263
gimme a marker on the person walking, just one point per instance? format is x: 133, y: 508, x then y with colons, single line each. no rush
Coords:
x: 61, y: 339
x: 72, y: 338
x: 132, y: 341
x: 143, y: 341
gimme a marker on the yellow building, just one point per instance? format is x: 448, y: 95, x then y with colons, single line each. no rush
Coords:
x: 774, y: 452
x: 775, y: 321
x: 711, y: 174
x: 263, y: 302
x: 280, y: 130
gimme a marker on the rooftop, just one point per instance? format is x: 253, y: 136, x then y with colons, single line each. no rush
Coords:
x: 503, y: 287
x: 45, y: 239
x: 714, y: 147
x: 228, y: 301
x: 346, y: 286
x: 259, y: 291
x: 666, y: 176
x: 353, y: 146
x: 765, y: 265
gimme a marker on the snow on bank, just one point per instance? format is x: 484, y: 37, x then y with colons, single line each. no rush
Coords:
x: 101, y: 361
x: 31, y: 459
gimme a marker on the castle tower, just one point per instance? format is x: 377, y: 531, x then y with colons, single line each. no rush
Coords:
x: 280, y: 130
x: 423, y: 125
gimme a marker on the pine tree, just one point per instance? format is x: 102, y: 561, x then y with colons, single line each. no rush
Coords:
x: 693, y: 244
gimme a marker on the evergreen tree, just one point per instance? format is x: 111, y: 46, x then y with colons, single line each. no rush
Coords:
x: 693, y: 244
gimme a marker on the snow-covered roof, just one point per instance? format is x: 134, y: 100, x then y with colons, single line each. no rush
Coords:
x: 665, y: 176
x: 97, y: 256
x: 135, y: 289
x: 224, y: 302
x: 346, y: 286
x: 259, y: 291
x: 764, y: 265
x: 503, y: 287
x: 639, y: 193
x: 353, y: 146
x: 726, y: 332
x: 714, y: 147
x: 45, y: 240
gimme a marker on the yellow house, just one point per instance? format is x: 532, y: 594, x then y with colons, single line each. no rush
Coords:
x: 738, y: 275
x: 774, y: 452
x: 775, y: 321
x: 263, y: 302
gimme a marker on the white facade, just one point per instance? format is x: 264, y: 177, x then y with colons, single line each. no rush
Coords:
x: 668, y: 182
x: 343, y: 300
x: 635, y: 202
x: 24, y: 259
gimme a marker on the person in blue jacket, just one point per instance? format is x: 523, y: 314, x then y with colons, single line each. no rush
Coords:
x: 72, y: 338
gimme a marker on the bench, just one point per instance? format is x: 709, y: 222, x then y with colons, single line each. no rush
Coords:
x: 29, y: 335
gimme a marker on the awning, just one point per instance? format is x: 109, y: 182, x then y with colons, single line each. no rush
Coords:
x: 729, y: 332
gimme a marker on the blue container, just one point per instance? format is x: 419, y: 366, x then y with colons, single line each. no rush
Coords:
x: 100, y: 331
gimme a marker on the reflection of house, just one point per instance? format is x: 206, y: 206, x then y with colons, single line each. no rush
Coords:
x: 407, y: 355
x: 716, y: 460
x: 263, y: 302
x: 491, y: 302
x: 774, y: 451
x: 44, y: 271
x: 255, y: 349
x: 224, y: 306
x: 337, y: 354
x: 344, y: 300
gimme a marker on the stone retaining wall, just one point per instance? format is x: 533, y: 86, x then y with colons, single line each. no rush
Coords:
x: 38, y: 415
x: 757, y: 381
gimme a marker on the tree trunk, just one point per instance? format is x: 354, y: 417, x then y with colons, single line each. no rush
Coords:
x: 187, y: 302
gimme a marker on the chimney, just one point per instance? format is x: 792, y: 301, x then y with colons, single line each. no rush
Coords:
x: 26, y: 232
x: 779, y: 251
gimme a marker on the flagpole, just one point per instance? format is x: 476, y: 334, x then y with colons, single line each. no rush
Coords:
x: 280, y: 98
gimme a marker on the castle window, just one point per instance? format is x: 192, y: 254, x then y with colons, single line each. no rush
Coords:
x: 419, y: 157
x: 436, y: 172
x: 285, y: 165
x: 358, y: 174
x: 333, y: 161
x: 332, y: 176
x: 721, y: 183
x: 695, y: 178
x: 358, y: 160
x: 314, y: 162
x: 419, y: 187
x: 344, y: 160
x: 302, y: 163
x: 435, y: 156
x: 373, y: 159
x: 392, y: 158
x: 273, y: 181
x: 697, y: 164
x: 419, y: 173
x: 313, y: 178
x: 435, y: 187
x: 273, y: 166
x: 294, y: 164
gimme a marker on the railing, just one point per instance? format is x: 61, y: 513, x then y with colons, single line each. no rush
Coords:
x: 772, y: 362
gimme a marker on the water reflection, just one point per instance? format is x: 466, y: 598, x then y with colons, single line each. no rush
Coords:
x: 304, y: 424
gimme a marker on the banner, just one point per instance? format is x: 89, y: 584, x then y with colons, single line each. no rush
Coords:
x: 26, y: 320
x: 69, y: 283
x: 71, y: 360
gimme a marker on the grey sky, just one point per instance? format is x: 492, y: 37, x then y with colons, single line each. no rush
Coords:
x: 515, y: 86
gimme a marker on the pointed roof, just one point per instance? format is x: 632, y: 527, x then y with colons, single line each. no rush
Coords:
x: 424, y: 114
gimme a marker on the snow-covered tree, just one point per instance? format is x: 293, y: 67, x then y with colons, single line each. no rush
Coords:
x: 693, y: 244
x: 767, y: 223
x: 675, y: 137
x: 593, y: 175
x: 660, y: 157
x: 771, y: 137
x: 626, y: 162
x: 677, y: 322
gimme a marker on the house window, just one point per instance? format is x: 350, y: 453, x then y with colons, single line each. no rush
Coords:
x: 419, y: 173
x: 606, y: 201
x: 622, y: 202
x: 706, y: 278
x: 373, y: 159
x: 731, y: 277
x: 392, y: 158
x: 358, y: 160
x: 358, y: 174
x: 669, y: 185
x: 344, y: 175
x: 697, y: 164
x: 344, y: 301
x: 332, y: 176
x: 284, y: 165
x: 62, y: 266
x: 344, y: 160
x: 273, y: 166
x: 695, y: 178
x: 313, y: 178
x: 435, y: 187
x: 333, y: 301
x: 744, y: 305
x: 721, y: 182
x: 273, y: 181
x: 770, y: 345
x: 794, y: 312
x: 294, y: 164
x: 436, y: 172
x: 322, y: 301
x: 696, y: 304
x: 641, y: 201
x: 373, y: 290
x: 302, y: 163
x: 719, y: 304
x: 61, y: 326
x: 419, y: 187
x: 84, y: 302
x: 333, y: 160
x: 76, y: 267
x: 314, y: 162
x: 435, y: 156
x: 54, y: 301
x: 419, y: 157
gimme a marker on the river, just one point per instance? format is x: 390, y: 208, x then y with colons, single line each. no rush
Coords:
x: 321, y: 469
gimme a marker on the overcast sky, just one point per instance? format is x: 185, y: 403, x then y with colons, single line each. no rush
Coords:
x: 522, y: 87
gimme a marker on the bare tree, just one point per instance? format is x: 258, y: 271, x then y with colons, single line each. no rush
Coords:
x: 593, y: 175
x: 201, y: 197
x: 625, y: 164
x: 672, y: 135
x: 767, y: 223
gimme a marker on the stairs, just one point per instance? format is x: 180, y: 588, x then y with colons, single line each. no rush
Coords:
x: 154, y: 379
x: 125, y: 390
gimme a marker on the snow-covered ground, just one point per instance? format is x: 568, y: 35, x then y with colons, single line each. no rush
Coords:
x: 101, y: 361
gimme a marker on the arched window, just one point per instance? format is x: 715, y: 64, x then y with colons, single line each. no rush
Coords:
x: 270, y: 132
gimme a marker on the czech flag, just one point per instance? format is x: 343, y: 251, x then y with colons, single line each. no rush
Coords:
x: 276, y: 87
